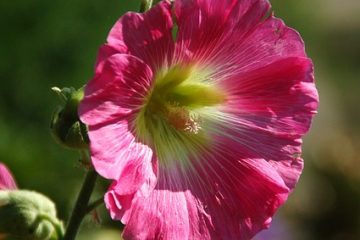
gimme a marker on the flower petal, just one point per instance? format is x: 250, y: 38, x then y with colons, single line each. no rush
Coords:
x: 226, y: 198
x: 118, y: 205
x: 117, y: 92
x: 6, y: 179
x: 270, y: 41
x: 105, y: 51
x: 116, y: 154
x: 163, y: 215
x: 213, y: 24
x: 280, y: 98
x: 268, y: 111
x: 146, y: 35
x: 281, y: 152
x: 245, y: 190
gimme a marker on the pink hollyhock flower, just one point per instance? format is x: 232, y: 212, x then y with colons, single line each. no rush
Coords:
x: 7, y: 181
x: 201, y: 132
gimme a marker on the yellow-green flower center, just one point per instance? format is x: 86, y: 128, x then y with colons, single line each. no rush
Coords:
x: 171, y: 118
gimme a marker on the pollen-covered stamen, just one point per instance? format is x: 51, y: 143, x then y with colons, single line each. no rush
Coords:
x: 182, y: 119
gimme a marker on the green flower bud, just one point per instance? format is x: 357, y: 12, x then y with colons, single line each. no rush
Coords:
x: 28, y: 215
x: 66, y: 127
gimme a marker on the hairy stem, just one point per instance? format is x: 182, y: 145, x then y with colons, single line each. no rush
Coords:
x: 81, y: 206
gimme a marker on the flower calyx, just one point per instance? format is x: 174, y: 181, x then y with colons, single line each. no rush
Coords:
x: 66, y: 127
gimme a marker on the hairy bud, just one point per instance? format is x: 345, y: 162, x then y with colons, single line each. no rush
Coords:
x: 28, y: 215
x: 66, y: 127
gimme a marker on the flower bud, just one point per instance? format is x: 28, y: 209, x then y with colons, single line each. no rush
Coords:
x: 66, y: 127
x: 28, y: 215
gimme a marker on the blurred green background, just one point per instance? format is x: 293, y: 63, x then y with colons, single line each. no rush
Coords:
x: 54, y: 43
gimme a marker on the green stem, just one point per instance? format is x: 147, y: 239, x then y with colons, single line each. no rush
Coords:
x: 81, y: 206
x: 145, y: 5
x: 94, y: 205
